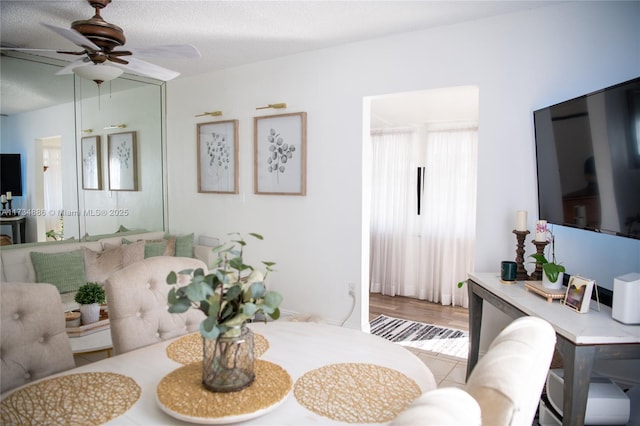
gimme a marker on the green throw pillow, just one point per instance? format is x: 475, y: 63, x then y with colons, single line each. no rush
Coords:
x: 184, y: 245
x: 65, y: 270
x: 154, y: 248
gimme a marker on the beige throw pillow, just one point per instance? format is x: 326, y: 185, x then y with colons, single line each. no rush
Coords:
x: 131, y: 253
x: 100, y: 265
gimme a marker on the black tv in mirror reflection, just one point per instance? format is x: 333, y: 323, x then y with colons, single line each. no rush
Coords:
x: 588, y: 161
x: 11, y: 174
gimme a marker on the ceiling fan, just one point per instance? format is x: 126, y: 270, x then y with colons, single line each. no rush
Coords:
x: 100, y: 40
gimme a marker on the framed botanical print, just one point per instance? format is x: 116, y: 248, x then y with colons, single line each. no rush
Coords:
x: 218, y: 157
x: 123, y: 173
x: 91, y: 163
x: 280, y: 154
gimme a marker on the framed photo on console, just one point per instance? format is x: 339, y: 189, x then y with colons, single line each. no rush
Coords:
x: 578, y: 295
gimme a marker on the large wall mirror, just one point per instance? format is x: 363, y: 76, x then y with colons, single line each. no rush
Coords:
x: 92, y: 155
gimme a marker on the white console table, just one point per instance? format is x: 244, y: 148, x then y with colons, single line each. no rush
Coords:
x: 581, y: 338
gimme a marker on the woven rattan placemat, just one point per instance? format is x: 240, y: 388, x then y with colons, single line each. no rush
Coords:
x: 181, y: 394
x: 356, y: 393
x: 188, y: 349
x: 75, y: 399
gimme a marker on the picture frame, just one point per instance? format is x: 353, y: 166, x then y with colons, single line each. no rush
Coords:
x: 578, y: 294
x: 280, y: 154
x: 122, y: 157
x: 217, y: 146
x: 91, y: 163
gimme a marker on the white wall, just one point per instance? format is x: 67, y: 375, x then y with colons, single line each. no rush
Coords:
x: 520, y: 62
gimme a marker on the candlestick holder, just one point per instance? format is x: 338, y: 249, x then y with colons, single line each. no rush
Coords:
x: 4, y: 204
x: 521, y: 273
x: 540, y: 245
x: 9, y: 202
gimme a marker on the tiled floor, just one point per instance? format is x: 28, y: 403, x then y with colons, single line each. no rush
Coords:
x: 448, y: 371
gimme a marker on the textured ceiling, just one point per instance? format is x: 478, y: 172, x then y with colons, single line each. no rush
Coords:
x: 233, y: 33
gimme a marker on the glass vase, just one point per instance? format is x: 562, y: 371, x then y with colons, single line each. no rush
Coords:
x: 228, y: 360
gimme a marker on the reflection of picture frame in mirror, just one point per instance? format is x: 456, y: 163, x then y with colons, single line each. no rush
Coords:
x: 91, y: 163
x: 578, y: 294
x: 123, y: 173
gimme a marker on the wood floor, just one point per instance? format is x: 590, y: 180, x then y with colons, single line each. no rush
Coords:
x: 418, y: 310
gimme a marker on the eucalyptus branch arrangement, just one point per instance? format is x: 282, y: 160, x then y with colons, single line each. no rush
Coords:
x: 229, y: 295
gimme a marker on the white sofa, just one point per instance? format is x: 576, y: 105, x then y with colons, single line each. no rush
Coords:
x: 99, y: 254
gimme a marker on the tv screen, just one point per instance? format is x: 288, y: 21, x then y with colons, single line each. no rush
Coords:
x: 10, y: 174
x: 588, y: 161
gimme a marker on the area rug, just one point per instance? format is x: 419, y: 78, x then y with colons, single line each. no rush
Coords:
x: 427, y: 337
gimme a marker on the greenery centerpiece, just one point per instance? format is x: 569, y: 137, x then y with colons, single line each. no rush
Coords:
x: 553, y: 272
x: 90, y: 296
x: 230, y: 294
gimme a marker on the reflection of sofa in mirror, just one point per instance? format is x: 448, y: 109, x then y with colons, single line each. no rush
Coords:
x: 71, y: 263
x: 61, y: 124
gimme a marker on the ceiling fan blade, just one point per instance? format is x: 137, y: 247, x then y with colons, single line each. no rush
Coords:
x: 169, y: 51
x: 73, y: 36
x: 69, y: 68
x: 136, y: 66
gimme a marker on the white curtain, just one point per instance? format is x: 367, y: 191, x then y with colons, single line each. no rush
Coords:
x: 52, y: 159
x: 423, y: 255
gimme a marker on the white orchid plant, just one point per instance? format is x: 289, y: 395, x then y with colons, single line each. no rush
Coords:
x: 229, y: 295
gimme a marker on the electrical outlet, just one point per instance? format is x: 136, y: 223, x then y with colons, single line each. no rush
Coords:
x: 352, y: 289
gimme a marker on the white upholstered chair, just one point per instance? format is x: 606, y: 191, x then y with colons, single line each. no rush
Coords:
x: 137, y: 303
x: 504, y: 387
x: 33, y: 340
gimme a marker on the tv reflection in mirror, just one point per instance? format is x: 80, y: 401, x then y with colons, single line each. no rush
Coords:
x: 588, y: 161
x: 11, y: 174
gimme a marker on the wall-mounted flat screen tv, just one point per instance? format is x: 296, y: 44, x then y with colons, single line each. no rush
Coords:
x: 11, y: 174
x: 588, y: 161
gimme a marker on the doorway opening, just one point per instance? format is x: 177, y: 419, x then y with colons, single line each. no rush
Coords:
x: 420, y: 173
x: 50, y: 226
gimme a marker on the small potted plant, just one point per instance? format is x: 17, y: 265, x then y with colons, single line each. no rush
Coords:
x: 553, y: 272
x: 90, y: 296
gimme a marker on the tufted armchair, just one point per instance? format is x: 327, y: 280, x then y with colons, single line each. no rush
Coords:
x: 33, y: 340
x: 504, y: 387
x: 137, y: 303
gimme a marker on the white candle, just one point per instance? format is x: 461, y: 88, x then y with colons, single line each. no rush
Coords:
x: 9, y: 195
x: 521, y: 220
x: 4, y: 198
x: 541, y: 230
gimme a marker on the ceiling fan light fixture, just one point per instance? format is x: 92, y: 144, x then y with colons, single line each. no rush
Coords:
x: 98, y: 72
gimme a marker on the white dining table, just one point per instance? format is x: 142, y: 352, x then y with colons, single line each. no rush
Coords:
x: 297, y: 347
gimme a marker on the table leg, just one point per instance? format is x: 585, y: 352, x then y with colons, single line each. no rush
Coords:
x: 14, y: 232
x: 22, y: 226
x: 475, y: 324
x: 578, y: 363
